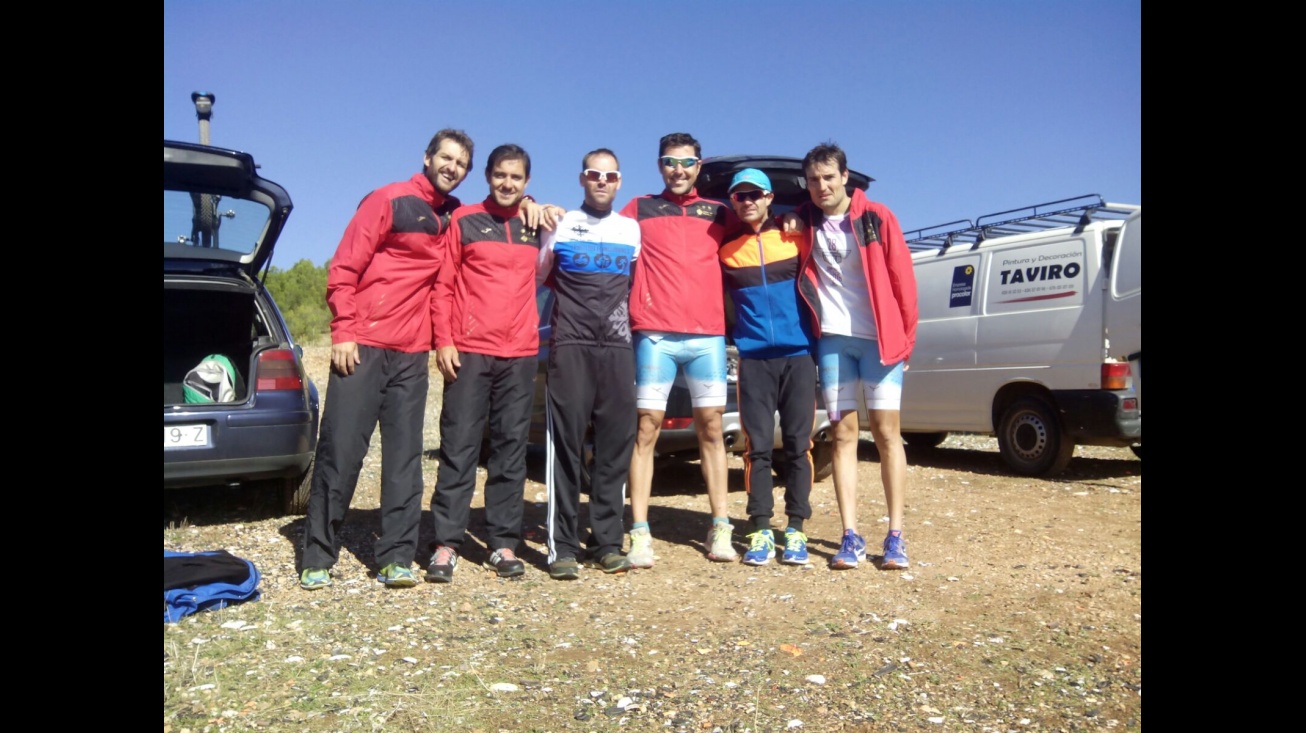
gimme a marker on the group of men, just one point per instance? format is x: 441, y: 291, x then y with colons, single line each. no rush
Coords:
x: 638, y: 300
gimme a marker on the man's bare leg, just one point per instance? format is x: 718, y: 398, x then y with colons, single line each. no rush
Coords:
x: 846, y: 434
x: 893, y: 462
x: 641, y: 462
x: 712, y: 457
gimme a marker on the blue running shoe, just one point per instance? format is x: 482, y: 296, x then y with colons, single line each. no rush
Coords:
x: 851, y: 552
x: 761, y: 547
x: 795, y: 548
x: 895, y: 558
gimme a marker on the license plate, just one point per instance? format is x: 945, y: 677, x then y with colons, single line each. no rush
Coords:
x: 185, y: 436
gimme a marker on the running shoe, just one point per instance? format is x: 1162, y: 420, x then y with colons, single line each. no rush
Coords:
x: 761, y: 547
x: 505, y: 563
x: 795, y: 548
x: 718, y: 542
x: 851, y: 552
x: 641, y: 548
x: 314, y: 578
x: 395, y: 575
x: 442, y: 565
x: 895, y: 557
x: 613, y: 562
x: 564, y: 568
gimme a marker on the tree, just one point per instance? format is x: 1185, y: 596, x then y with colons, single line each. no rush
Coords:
x: 301, y: 294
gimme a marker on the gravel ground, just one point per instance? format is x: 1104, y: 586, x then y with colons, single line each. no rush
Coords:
x: 1022, y: 611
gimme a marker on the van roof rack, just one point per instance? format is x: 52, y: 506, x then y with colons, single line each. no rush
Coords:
x: 1075, y: 212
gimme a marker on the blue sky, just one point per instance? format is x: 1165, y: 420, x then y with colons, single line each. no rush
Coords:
x: 957, y: 108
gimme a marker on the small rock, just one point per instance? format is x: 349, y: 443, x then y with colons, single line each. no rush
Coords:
x: 816, y: 679
x: 504, y: 687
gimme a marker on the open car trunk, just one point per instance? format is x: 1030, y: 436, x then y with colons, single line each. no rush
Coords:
x: 201, y: 318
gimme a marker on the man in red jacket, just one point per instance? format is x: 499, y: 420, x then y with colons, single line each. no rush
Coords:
x: 379, y: 290
x: 677, y: 318
x: 487, y: 342
x: 859, y: 283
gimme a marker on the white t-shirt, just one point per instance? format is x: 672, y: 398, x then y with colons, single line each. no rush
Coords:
x: 842, y: 287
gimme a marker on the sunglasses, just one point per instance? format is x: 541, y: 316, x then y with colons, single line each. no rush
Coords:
x: 592, y: 174
x: 742, y: 196
x: 670, y: 162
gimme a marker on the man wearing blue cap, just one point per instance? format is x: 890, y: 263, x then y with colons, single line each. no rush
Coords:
x: 777, y: 371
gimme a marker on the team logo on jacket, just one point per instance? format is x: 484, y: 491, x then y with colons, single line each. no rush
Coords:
x: 603, y: 261
x: 582, y: 260
x: 619, y: 322
x: 704, y: 210
x: 622, y: 261
x: 869, y: 235
x: 580, y: 230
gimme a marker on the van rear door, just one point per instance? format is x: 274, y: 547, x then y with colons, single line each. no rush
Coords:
x: 1124, y: 305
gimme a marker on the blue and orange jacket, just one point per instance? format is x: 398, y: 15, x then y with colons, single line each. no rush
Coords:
x: 484, y: 299
x: 760, y: 271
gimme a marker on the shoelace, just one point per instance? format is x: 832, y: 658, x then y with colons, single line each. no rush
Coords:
x: 795, y: 541
x: 760, y: 541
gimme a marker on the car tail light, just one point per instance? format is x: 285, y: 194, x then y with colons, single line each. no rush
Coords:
x: 1129, y: 404
x: 1115, y: 375
x: 677, y: 423
x: 277, y: 370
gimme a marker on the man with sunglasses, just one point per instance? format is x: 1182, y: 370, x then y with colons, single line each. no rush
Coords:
x: 587, y: 261
x: 777, y: 371
x: 487, y: 338
x: 678, y: 320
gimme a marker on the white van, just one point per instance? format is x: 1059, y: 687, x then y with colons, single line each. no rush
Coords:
x: 1028, y: 322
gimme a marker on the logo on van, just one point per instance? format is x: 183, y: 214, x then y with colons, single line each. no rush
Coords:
x: 963, y: 286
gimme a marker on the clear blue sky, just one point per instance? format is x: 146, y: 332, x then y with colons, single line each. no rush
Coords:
x: 957, y: 108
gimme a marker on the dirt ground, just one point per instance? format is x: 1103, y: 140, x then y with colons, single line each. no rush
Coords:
x: 1022, y: 611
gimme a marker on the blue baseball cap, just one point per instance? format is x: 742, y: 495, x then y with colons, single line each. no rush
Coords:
x: 750, y: 175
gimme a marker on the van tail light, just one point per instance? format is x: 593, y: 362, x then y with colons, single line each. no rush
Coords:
x: 277, y: 371
x: 1115, y: 375
x: 677, y: 423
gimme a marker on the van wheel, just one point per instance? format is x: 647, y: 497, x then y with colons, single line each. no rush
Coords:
x: 924, y: 440
x: 296, y: 490
x: 822, y: 460
x: 1031, y: 439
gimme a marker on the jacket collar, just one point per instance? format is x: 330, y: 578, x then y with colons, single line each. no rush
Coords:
x: 500, y: 211
x: 678, y: 200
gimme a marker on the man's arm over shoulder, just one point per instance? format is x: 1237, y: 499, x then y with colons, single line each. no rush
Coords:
x: 362, y: 238
x: 544, y: 263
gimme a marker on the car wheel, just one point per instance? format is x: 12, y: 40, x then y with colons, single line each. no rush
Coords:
x: 822, y: 461
x: 1138, y: 451
x: 924, y: 440
x: 1031, y: 439
x: 296, y: 491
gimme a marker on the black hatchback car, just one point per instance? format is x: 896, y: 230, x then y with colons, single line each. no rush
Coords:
x: 221, y: 220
